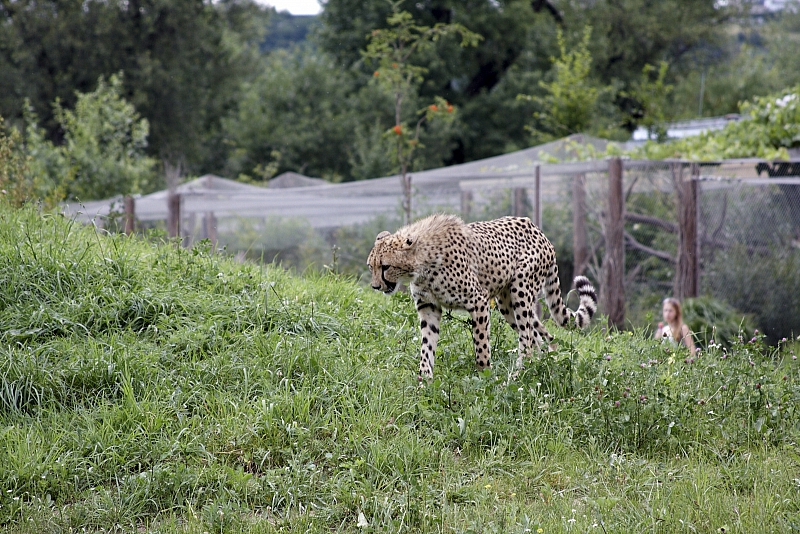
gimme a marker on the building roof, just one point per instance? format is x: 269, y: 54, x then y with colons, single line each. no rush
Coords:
x: 293, y: 179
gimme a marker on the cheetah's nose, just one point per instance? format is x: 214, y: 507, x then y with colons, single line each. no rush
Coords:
x: 376, y: 288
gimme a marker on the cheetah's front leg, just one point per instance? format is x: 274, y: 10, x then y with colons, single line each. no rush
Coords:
x: 479, y: 311
x: 430, y: 316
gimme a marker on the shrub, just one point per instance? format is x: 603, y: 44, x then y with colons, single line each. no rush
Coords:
x: 711, y: 319
x: 14, y: 184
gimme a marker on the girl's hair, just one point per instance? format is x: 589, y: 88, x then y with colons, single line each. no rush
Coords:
x: 676, y: 305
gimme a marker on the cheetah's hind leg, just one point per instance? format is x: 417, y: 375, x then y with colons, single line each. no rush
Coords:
x: 517, y: 309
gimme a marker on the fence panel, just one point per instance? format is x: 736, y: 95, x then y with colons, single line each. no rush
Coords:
x: 750, y: 249
x: 717, y: 229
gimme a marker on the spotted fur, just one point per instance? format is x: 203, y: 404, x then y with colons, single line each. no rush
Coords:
x: 449, y: 264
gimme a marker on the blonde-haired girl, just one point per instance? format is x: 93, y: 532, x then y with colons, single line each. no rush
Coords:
x: 673, y: 329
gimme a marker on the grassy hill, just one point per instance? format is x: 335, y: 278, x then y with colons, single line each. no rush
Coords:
x: 148, y: 388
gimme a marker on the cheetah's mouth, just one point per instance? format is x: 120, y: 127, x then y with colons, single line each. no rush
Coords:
x: 390, y: 286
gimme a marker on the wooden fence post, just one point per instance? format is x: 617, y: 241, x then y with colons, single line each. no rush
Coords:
x: 613, y: 288
x: 466, y: 203
x: 537, y: 218
x: 687, y: 272
x: 518, y: 202
x: 130, y: 215
x: 580, y: 250
x: 537, y: 197
x: 210, y: 229
x: 172, y: 173
x: 405, y: 182
x: 173, y: 214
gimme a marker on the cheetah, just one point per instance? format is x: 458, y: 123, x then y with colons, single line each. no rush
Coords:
x: 453, y: 265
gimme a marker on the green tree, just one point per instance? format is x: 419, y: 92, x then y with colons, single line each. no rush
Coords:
x: 184, y: 62
x: 392, y: 49
x: 301, y: 107
x: 771, y: 125
x: 520, y: 37
x: 629, y: 34
x: 570, y: 102
x: 480, y: 81
x: 103, y: 150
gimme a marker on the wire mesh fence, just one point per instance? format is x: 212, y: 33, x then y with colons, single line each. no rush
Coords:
x: 751, y: 250
x: 716, y: 230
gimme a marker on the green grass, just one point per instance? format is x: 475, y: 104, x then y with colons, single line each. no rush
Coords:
x: 148, y: 388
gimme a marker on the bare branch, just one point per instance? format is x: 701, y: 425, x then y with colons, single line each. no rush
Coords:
x: 630, y: 189
x: 631, y: 241
x: 654, y: 221
x: 537, y: 6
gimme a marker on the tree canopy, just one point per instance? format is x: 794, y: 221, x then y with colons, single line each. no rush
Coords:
x: 770, y: 125
x: 237, y: 89
x: 184, y: 61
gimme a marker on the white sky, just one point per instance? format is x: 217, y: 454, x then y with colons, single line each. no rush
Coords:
x: 295, y: 7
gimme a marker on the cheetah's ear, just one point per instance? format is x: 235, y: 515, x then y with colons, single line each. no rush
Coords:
x: 382, y: 235
x: 408, y: 243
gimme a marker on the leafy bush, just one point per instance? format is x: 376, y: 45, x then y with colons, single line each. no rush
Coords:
x: 764, y: 287
x: 14, y: 185
x: 770, y: 125
x: 103, y: 150
x: 713, y: 321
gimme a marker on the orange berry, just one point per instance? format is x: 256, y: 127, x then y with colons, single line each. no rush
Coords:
x: 398, y: 129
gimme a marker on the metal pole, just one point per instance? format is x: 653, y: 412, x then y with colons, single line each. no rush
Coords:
x: 537, y: 197
x: 537, y: 217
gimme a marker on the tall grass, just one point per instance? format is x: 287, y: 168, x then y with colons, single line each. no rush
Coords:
x: 150, y: 388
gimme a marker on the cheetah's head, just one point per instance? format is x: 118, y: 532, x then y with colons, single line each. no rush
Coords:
x: 390, y: 261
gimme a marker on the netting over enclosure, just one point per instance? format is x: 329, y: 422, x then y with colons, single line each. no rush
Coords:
x: 640, y: 230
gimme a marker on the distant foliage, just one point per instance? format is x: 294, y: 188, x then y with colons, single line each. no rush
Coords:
x: 14, y: 185
x: 285, y: 31
x: 770, y: 126
x: 713, y: 321
x: 298, y: 106
x: 570, y: 102
x: 184, y: 61
x: 103, y: 153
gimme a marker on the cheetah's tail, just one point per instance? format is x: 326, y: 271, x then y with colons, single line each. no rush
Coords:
x: 561, y: 314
